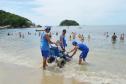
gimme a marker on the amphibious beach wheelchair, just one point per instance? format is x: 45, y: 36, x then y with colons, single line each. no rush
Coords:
x: 58, y: 56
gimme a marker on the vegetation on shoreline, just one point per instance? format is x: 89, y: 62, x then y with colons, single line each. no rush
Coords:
x: 9, y: 20
x: 69, y: 23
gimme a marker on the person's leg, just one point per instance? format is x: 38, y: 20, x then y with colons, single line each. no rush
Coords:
x: 84, y: 59
x: 80, y: 61
x: 80, y: 58
x: 85, y: 55
x: 44, y: 63
x: 45, y: 55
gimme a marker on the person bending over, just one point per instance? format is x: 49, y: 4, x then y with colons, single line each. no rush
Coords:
x: 83, y: 48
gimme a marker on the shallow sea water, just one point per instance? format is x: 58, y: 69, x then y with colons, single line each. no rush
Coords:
x: 106, y: 60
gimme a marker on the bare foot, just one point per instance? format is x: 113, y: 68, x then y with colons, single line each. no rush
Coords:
x: 80, y: 63
x: 83, y: 63
x: 44, y: 68
x: 46, y: 65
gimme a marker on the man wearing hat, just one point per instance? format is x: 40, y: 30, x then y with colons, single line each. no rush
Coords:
x: 45, y: 41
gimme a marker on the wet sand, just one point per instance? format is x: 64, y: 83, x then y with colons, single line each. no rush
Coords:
x: 15, y: 74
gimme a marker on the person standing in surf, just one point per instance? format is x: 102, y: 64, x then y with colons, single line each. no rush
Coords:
x: 114, y: 37
x: 63, y: 43
x: 45, y: 41
x: 84, y: 51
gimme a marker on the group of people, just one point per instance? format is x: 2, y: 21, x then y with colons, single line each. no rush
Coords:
x: 73, y: 36
x: 46, y: 41
x: 114, y: 36
x: 81, y: 37
x: 20, y: 34
x: 23, y: 34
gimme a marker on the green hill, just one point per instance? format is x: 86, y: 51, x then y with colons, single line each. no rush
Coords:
x: 13, y: 21
x: 69, y: 23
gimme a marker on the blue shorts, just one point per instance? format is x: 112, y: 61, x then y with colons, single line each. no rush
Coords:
x: 83, y: 55
x: 45, y: 53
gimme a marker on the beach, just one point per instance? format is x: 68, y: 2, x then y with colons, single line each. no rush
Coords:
x: 20, y: 58
x: 13, y: 74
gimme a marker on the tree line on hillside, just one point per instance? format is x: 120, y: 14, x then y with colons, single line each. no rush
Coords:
x: 12, y: 20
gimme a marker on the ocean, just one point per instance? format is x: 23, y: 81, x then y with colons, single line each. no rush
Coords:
x: 106, y: 60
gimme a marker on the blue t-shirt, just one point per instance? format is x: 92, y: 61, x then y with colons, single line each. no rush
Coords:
x: 83, y: 47
x: 44, y: 42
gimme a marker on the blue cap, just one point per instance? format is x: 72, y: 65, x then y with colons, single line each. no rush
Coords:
x: 74, y: 43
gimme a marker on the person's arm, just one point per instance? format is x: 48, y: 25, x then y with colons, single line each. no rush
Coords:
x: 75, y: 50
x: 72, y: 50
x: 48, y: 39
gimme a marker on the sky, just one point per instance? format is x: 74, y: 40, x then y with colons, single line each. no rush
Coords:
x: 85, y: 12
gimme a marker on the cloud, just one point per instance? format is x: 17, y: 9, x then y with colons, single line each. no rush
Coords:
x: 84, y: 11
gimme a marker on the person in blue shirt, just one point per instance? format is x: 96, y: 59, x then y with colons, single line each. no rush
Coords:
x: 45, y: 41
x: 83, y: 48
x: 63, y: 43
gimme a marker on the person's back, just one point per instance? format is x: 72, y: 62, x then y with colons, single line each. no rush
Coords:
x: 114, y: 37
x: 83, y: 47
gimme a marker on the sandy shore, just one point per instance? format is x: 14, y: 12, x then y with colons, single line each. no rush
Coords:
x: 15, y: 74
